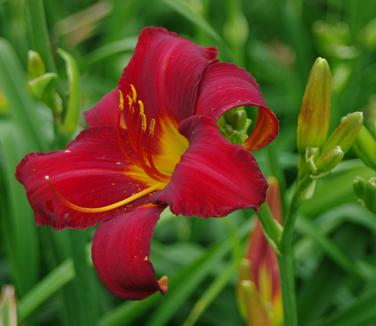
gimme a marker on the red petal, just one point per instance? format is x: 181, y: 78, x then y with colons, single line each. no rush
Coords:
x: 225, y: 86
x: 121, y: 253
x: 89, y: 173
x: 165, y: 71
x: 104, y: 113
x: 213, y: 177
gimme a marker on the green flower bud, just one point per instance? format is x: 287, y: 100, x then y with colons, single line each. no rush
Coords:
x: 365, y: 147
x: 35, y: 65
x: 313, y: 121
x: 329, y: 159
x: 40, y: 85
x: 324, y: 162
x: 345, y: 134
x: 234, y: 125
x: 366, y: 192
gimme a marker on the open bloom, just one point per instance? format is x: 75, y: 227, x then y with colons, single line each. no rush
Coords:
x: 152, y: 143
x: 259, y: 290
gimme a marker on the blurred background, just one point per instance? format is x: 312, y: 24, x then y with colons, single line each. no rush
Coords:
x: 277, y: 41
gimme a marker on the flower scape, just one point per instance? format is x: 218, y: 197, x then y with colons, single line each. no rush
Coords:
x: 152, y: 143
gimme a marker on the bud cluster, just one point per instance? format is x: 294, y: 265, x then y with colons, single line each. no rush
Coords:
x: 320, y: 154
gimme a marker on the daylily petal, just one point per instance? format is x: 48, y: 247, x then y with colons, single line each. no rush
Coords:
x: 214, y: 177
x: 165, y: 72
x: 105, y: 112
x: 121, y: 253
x: 89, y: 173
x: 225, y: 86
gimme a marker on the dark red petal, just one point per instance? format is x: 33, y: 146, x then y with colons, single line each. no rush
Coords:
x: 121, y: 253
x: 89, y: 173
x: 213, y: 177
x: 225, y: 86
x: 165, y: 71
x: 104, y: 113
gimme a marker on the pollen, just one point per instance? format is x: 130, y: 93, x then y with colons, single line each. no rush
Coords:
x: 130, y: 101
x: 121, y: 100
x: 143, y: 121
x: 151, y: 127
x: 141, y: 106
x: 134, y: 93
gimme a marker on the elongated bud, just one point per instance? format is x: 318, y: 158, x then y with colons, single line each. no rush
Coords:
x: 258, y: 289
x: 8, y: 309
x: 313, y: 121
x: 345, y: 134
x: 35, y: 65
x: 366, y: 192
x: 365, y: 147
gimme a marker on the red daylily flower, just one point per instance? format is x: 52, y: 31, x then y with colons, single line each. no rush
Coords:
x: 152, y: 143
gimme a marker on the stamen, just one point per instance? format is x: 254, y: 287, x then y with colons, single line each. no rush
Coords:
x: 143, y: 121
x: 141, y: 106
x: 121, y: 100
x: 130, y: 101
x: 105, y: 208
x: 134, y: 93
x: 151, y: 127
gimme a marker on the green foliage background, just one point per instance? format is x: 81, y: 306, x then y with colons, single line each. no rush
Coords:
x: 277, y: 41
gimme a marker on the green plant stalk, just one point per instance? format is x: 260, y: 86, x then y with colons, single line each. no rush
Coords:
x: 210, y: 294
x: 38, y: 32
x: 44, y: 289
x: 286, y: 257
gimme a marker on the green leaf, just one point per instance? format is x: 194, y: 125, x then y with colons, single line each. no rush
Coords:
x: 63, y: 274
x: 107, y: 51
x: 37, y: 29
x: 186, y: 10
x: 360, y: 313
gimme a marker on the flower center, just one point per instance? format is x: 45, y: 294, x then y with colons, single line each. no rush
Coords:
x: 156, y: 142
x: 154, y: 148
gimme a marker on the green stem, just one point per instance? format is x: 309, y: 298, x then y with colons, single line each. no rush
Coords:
x: 286, y: 257
x: 38, y: 32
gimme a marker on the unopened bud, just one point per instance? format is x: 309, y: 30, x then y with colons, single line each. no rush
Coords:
x: 319, y: 163
x: 235, y: 124
x: 40, y: 85
x: 365, y: 147
x: 311, y: 156
x: 329, y: 159
x: 345, y: 134
x: 35, y: 65
x: 313, y: 122
x: 366, y: 192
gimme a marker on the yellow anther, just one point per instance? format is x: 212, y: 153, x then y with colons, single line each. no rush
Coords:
x: 151, y: 127
x: 143, y: 121
x: 134, y: 93
x: 141, y: 106
x: 121, y: 100
x: 130, y: 101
